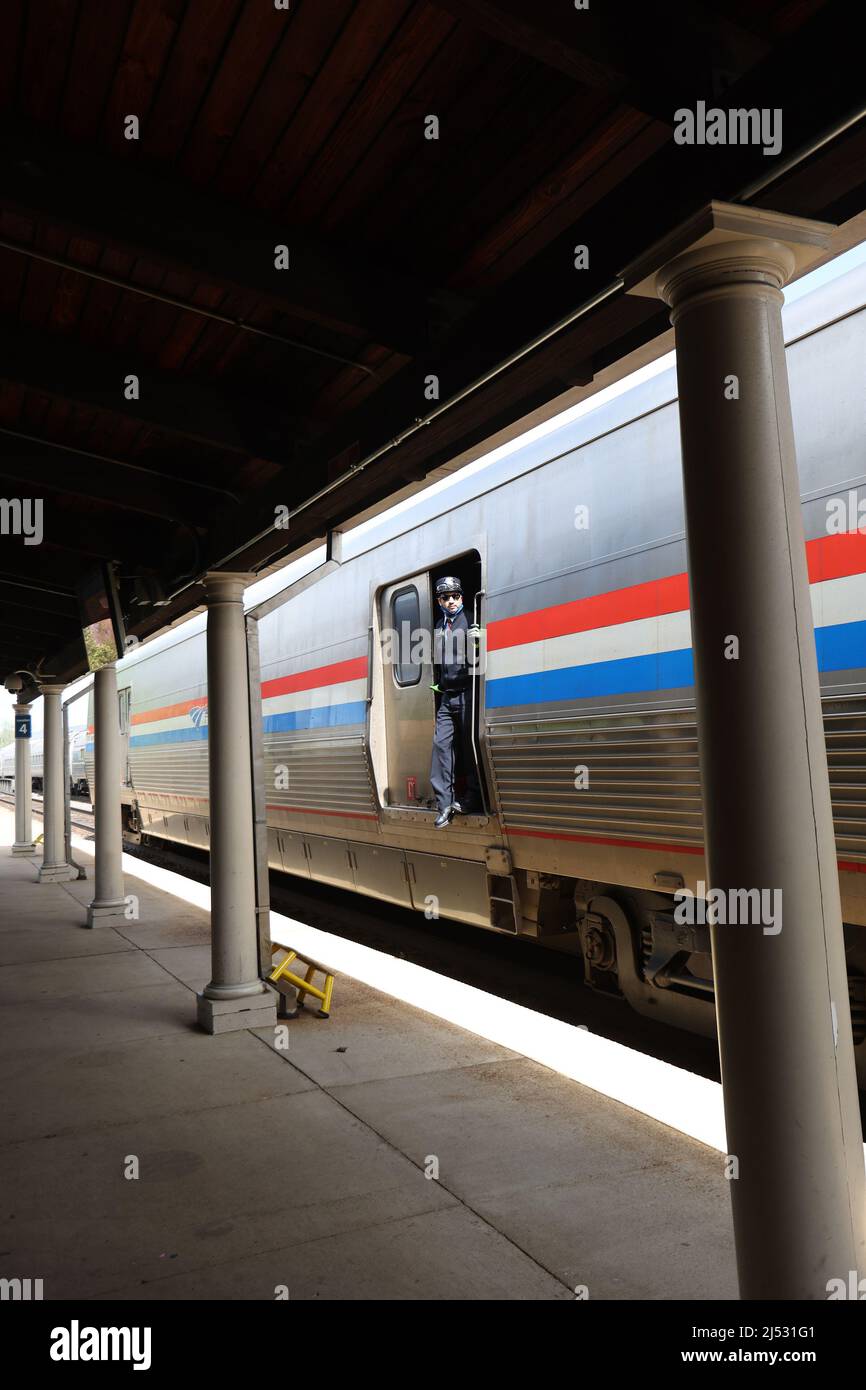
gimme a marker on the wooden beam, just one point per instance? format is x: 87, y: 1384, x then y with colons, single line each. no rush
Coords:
x: 26, y: 615
x: 563, y: 362
x: 218, y: 417
x: 67, y: 473
x: 31, y: 600
x: 125, y: 205
x: 49, y: 577
x: 81, y: 537
x: 18, y: 629
x: 654, y: 58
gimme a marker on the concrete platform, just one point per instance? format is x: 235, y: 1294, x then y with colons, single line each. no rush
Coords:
x: 262, y: 1167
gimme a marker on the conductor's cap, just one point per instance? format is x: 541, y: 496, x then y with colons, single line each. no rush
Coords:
x: 449, y: 585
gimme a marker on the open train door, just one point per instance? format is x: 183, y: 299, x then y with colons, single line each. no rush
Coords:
x: 405, y: 625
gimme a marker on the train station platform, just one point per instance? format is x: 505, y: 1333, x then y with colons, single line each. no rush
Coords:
x: 305, y: 1169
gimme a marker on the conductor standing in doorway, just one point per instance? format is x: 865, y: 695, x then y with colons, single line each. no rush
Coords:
x: 452, y: 675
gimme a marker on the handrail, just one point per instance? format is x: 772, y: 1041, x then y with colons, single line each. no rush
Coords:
x: 474, y: 686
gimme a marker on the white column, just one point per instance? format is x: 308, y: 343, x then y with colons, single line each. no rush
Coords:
x: 790, y: 1092
x: 236, y: 996
x: 55, y: 868
x: 109, y: 900
x: 23, y: 792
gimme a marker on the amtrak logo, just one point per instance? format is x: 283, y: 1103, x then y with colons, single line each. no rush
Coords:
x: 198, y: 715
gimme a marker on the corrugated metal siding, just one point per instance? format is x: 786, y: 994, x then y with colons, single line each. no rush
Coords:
x: 845, y: 731
x: 644, y: 775
x: 643, y: 783
x: 180, y: 769
x: 324, y: 773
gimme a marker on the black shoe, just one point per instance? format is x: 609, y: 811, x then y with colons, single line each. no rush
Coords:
x: 443, y: 818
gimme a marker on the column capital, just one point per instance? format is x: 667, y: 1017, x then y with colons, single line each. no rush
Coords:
x: 52, y: 689
x: 226, y: 586
x: 727, y: 244
x: 20, y: 708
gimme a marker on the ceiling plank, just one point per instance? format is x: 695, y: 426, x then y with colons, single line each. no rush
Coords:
x: 134, y: 208
x: 694, y: 52
x: 71, y: 474
x: 80, y: 536
x: 59, y: 365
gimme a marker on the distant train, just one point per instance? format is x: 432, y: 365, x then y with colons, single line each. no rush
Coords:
x: 77, y: 771
x: 571, y: 549
x: 78, y: 784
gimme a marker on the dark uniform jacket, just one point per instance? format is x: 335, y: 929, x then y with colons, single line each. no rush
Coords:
x: 451, y: 668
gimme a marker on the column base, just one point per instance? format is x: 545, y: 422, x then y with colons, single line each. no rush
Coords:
x: 23, y: 848
x: 99, y: 911
x: 230, y: 1015
x: 57, y: 873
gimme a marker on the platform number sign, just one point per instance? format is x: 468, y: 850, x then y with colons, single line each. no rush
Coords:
x: 22, y: 726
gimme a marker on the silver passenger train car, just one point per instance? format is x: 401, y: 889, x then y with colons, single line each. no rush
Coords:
x: 572, y: 551
x: 7, y: 765
x: 77, y: 771
x: 7, y: 768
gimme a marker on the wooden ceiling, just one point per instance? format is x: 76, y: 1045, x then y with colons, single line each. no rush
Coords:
x: 305, y: 126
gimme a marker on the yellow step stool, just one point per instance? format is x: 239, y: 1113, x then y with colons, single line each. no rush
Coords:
x: 304, y: 986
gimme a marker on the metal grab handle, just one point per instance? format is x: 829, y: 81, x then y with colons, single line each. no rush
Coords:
x: 476, y: 608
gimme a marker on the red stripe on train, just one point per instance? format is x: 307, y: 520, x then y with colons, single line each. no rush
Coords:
x: 604, y: 840
x: 834, y: 557
x: 847, y: 866
x: 598, y: 610
x: 827, y: 557
x: 311, y: 811
x: 354, y: 669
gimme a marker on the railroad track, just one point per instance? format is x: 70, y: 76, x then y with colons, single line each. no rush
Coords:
x: 82, y: 812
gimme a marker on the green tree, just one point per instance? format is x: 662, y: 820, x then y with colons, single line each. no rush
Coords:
x: 99, y: 654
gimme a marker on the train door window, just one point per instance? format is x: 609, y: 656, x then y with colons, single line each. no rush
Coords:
x: 406, y: 623
x: 123, y: 698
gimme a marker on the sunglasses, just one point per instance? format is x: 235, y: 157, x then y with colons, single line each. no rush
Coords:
x: 443, y: 598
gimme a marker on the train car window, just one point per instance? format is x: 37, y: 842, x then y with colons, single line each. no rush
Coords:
x: 406, y: 622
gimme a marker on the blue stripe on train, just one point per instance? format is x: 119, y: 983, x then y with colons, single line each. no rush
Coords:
x: 323, y: 717
x: 841, y: 647
x: 167, y: 736
x: 660, y: 671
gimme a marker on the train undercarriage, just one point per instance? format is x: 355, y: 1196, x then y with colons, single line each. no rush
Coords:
x: 632, y: 945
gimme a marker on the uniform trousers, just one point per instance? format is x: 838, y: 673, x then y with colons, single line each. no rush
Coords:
x: 452, y: 751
